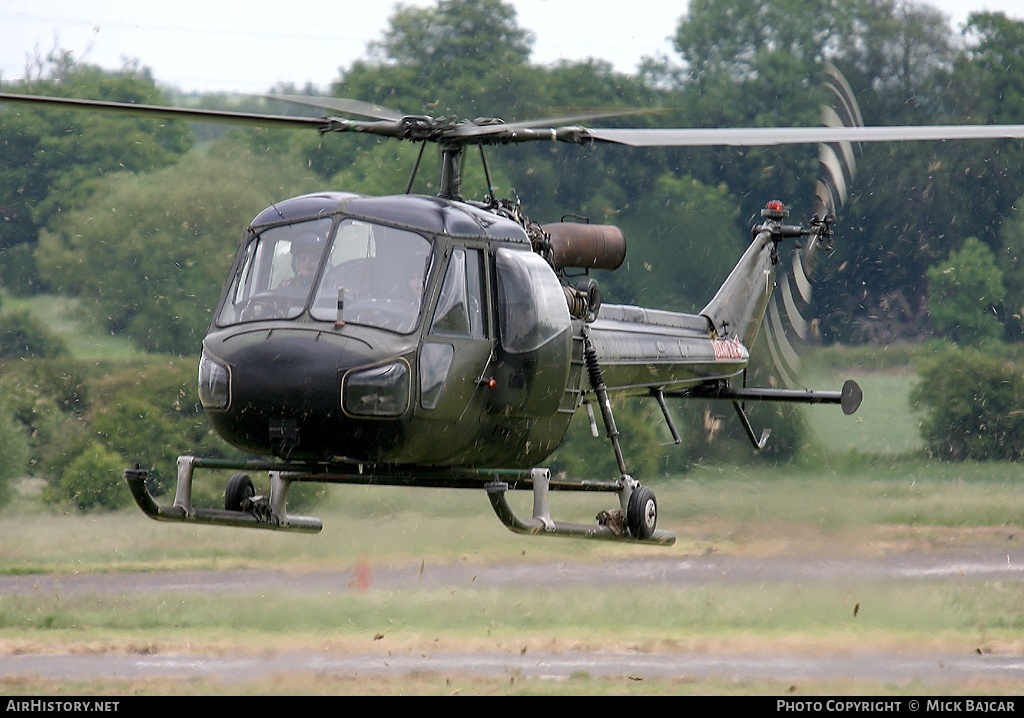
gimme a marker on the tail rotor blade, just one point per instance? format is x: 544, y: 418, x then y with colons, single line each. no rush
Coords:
x: 788, y: 315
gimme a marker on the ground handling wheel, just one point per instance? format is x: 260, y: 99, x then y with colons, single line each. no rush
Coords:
x: 239, y: 490
x: 642, y: 513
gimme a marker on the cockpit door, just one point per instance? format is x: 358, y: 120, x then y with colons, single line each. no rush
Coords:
x: 457, y: 348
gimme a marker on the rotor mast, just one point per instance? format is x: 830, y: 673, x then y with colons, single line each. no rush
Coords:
x: 451, y: 171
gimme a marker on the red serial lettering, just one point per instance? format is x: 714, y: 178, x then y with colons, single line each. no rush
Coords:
x: 728, y: 349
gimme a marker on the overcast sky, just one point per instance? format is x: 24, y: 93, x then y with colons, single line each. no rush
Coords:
x: 214, y: 45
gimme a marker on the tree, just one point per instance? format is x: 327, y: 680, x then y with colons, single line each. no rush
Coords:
x: 460, y: 56
x: 14, y: 452
x: 150, y: 253
x: 987, y: 88
x: 53, y: 160
x: 1011, y: 260
x: 753, y: 64
x: 23, y: 336
x: 964, y: 293
x: 914, y: 199
x: 992, y: 68
x: 481, y: 33
x: 684, y: 237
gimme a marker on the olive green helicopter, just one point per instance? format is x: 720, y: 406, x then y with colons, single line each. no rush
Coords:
x: 433, y: 341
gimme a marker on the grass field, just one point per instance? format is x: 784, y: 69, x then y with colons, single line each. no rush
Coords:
x: 864, y: 509
x: 723, y: 508
x: 84, y: 342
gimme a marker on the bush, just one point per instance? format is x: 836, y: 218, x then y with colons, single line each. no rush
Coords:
x: 139, y: 430
x: 18, y: 272
x: 46, y: 397
x: 582, y: 456
x: 93, y: 480
x: 22, y: 335
x: 972, y: 406
x: 146, y: 412
x: 14, y: 452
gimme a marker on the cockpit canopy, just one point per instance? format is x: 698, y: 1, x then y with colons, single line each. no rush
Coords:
x: 357, y: 271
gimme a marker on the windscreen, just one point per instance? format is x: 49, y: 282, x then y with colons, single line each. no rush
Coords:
x: 277, y: 273
x: 374, y: 276
x: 367, y: 274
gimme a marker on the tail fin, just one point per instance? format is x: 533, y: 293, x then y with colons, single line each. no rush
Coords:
x: 738, y: 308
x: 787, y: 323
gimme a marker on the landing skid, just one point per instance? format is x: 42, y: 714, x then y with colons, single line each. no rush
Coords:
x: 259, y: 512
x: 612, y: 525
x: 634, y: 521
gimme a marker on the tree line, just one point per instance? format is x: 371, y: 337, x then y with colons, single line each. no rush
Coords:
x: 738, y: 63
x: 139, y: 218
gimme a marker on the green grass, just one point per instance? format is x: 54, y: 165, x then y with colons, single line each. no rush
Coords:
x: 862, y: 491
x: 750, y: 616
x: 886, y: 423
x: 63, y: 317
x: 719, y: 507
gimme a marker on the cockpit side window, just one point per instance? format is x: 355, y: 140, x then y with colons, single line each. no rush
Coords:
x: 276, y: 272
x: 459, y: 309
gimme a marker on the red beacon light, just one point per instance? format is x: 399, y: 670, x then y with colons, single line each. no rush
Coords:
x: 774, y: 210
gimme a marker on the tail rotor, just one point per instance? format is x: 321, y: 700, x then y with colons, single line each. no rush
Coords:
x: 788, y: 316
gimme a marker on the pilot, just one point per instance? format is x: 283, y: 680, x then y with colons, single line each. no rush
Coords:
x: 306, y: 250
x: 405, y: 256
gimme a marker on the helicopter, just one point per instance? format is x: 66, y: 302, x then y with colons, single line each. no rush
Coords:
x: 434, y: 341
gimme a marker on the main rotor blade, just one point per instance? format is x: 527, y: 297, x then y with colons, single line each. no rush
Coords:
x: 536, y: 130
x: 563, y: 129
x: 576, y: 119
x: 169, y: 113
x: 341, y: 104
x: 487, y: 126
x: 757, y: 136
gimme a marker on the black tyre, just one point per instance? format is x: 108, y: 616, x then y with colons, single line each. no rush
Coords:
x: 239, y: 489
x: 642, y: 513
